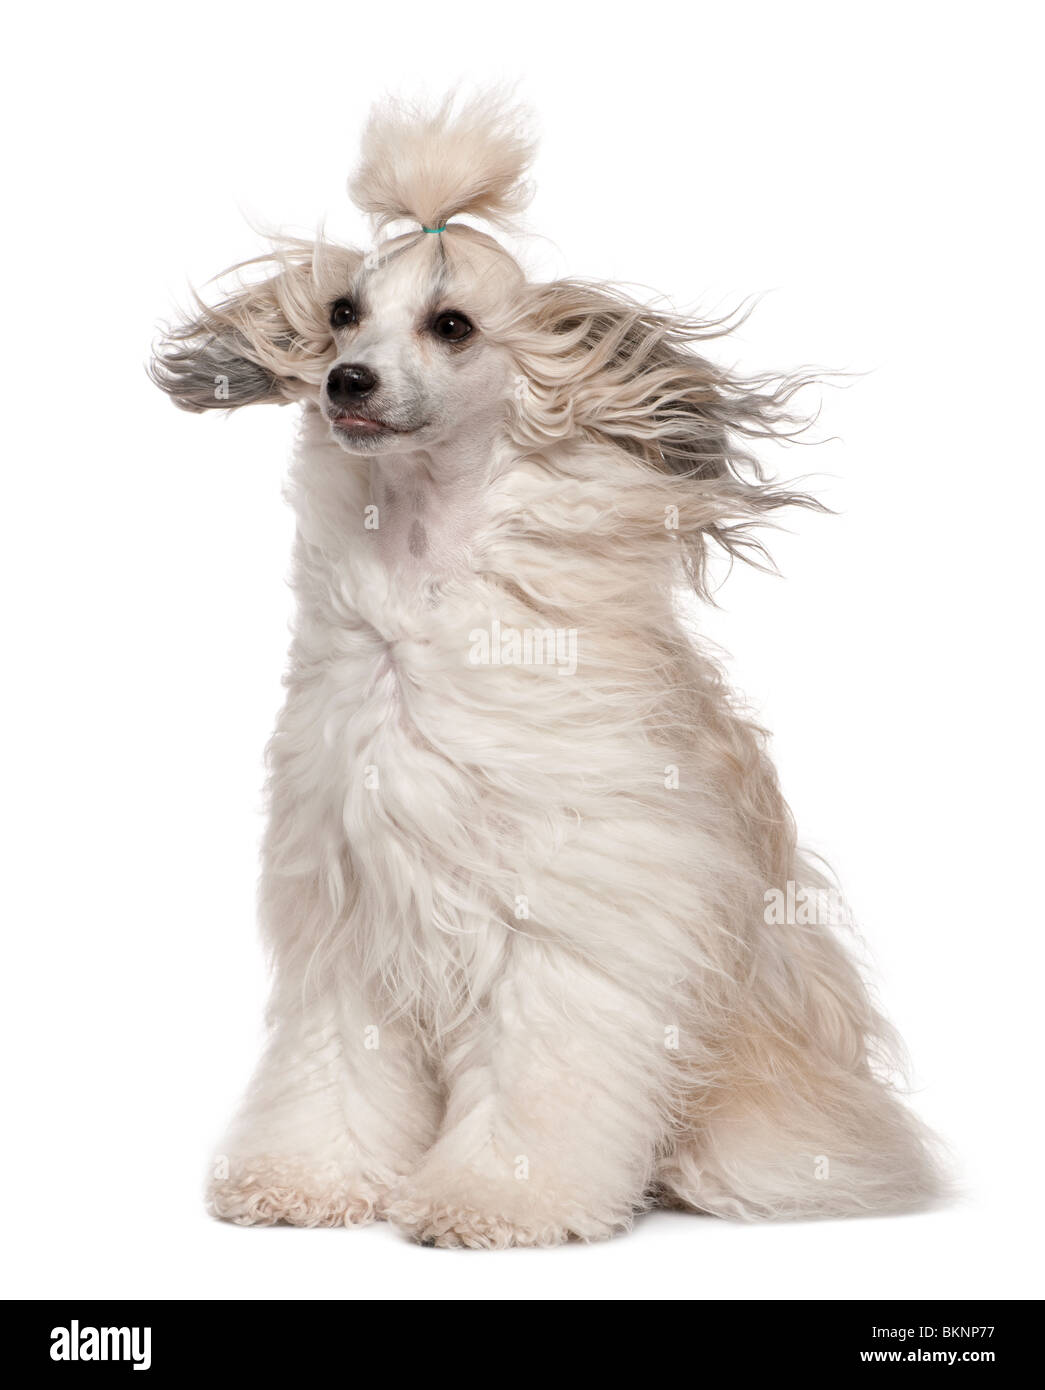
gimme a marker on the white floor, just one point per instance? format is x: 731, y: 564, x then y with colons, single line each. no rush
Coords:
x: 176, y: 1253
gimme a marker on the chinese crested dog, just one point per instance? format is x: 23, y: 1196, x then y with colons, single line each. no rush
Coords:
x: 525, y: 856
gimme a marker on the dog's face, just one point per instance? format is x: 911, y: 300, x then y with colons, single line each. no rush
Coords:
x: 401, y: 350
x: 416, y: 364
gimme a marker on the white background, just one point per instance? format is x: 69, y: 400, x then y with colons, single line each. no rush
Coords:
x: 875, y: 169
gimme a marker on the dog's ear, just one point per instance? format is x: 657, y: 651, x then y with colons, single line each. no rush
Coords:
x: 600, y: 366
x: 268, y: 342
x: 630, y: 374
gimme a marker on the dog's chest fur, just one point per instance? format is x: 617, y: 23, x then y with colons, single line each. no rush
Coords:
x: 461, y: 791
x: 392, y: 722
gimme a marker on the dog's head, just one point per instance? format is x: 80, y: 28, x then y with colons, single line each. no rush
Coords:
x: 400, y: 349
x: 437, y: 332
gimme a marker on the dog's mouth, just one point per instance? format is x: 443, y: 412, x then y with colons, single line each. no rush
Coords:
x: 358, y: 426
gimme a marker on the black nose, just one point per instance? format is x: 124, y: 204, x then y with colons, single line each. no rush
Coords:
x: 351, y: 383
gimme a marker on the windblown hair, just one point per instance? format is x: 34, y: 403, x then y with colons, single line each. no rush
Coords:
x: 427, y: 167
x: 604, y: 367
x: 267, y: 341
x: 550, y: 904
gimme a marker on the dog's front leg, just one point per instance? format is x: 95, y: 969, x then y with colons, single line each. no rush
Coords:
x: 339, y: 1109
x: 554, y: 1112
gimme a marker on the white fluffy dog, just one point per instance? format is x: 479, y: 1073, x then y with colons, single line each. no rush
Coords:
x: 521, y: 841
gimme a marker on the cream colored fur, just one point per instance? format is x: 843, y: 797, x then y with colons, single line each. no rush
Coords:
x: 524, y: 981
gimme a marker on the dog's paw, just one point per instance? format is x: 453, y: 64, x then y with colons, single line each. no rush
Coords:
x: 478, y: 1215
x: 450, y: 1225
x: 266, y: 1191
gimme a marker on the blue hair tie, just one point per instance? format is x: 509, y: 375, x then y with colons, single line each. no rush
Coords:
x: 434, y: 231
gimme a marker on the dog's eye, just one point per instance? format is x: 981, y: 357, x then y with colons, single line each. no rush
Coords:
x: 342, y: 314
x: 451, y: 327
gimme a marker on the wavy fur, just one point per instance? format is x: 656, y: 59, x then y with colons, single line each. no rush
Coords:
x: 524, y: 981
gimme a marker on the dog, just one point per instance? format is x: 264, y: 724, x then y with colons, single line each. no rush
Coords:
x: 526, y: 855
